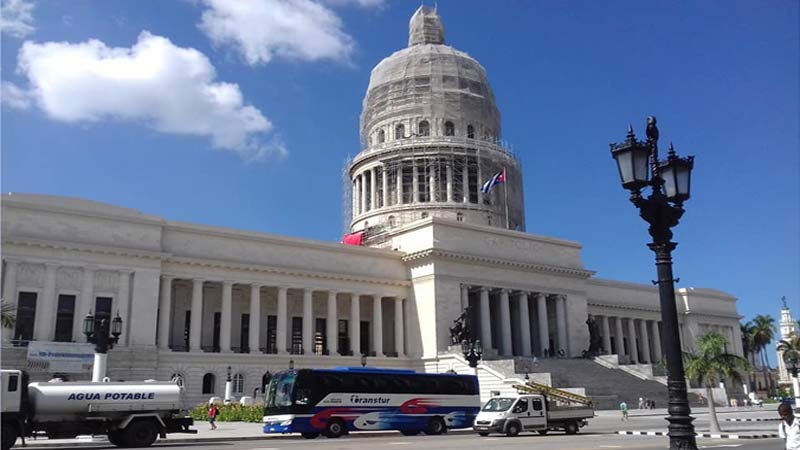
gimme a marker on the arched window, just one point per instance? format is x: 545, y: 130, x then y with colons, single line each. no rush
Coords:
x: 400, y: 131
x: 449, y: 129
x: 424, y: 128
x: 391, y: 221
x: 460, y: 217
x: 209, y: 380
x: 470, y: 132
x: 381, y: 136
x: 177, y: 379
x: 238, y: 383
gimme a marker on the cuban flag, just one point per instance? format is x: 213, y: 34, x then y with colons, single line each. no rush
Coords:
x: 499, y: 177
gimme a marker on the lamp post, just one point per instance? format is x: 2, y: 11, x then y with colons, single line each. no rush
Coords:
x: 471, y: 346
x: 794, y: 368
x: 228, y: 387
x: 662, y: 209
x: 291, y: 364
x: 97, y: 332
x: 363, y: 360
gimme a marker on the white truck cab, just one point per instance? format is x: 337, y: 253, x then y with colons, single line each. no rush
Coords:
x: 529, y: 412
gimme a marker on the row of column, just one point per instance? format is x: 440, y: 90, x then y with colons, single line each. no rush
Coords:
x: 331, y: 322
x: 505, y: 346
x: 365, y: 186
x: 47, y: 299
x: 648, y: 332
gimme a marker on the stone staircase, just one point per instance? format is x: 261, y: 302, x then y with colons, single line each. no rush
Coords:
x: 606, y: 386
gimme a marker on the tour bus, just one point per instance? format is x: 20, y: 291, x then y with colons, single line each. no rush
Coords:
x: 332, y: 402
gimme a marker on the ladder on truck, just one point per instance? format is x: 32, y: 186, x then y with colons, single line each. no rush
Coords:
x: 554, y: 393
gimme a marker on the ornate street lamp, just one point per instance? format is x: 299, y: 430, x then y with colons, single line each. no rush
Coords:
x: 473, y: 351
x: 291, y: 364
x: 363, y: 360
x: 97, y: 332
x: 670, y: 181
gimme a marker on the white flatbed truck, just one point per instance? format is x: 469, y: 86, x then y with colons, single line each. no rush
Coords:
x: 131, y: 414
x: 536, y: 408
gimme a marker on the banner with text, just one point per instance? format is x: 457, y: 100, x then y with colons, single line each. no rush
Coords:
x: 65, y: 357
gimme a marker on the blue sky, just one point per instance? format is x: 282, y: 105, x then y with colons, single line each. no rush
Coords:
x: 242, y: 115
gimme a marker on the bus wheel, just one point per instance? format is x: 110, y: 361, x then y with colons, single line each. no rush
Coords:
x: 409, y: 432
x: 334, y: 428
x: 436, y: 426
x: 309, y: 435
x: 9, y: 435
x: 571, y: 428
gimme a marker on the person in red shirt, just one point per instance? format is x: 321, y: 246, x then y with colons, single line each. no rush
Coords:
x: 212, y: 415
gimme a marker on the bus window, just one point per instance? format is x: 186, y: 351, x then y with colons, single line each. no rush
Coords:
x: 280, y: 390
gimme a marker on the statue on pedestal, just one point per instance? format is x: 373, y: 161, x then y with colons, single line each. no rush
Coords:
x: 460, y: 331
x: 595, y: 342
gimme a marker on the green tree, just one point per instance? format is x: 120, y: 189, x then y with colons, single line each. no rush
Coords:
x: 790, y: 348
x: 763, y: 333
x: 749, y: 349
x: 8, y: 317
x: 710, y: 365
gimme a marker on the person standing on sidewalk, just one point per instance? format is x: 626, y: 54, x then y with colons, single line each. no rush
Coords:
x: 212, y: 415
x: 789, y: 429
x: 623, y: 407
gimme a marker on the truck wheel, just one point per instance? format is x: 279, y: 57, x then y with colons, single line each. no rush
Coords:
x: 117, y: 438
x: 141, y: 434
x: 9, y: 436
x: 512, y: 429
x: 435, y: 426
x: 334, y: 428
x: 542, y: 432
x: 571, y: 428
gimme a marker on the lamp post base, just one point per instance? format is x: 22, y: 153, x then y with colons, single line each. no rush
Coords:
x: 99, y: 369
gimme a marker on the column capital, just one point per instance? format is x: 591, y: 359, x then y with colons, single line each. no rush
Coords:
x: 484, y: 289
x: 228, y: 283
x: 199, y: 280
x: 163, y: 277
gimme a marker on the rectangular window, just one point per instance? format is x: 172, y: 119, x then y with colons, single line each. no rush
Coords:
x: 407, y: 177
x: 244, y: 336
x: 13, y: 382
x: 364, y: 337
x: 297, y: 335
x: 423, y: 172
x: 472, y: 173
x: 187, y: 328
x: 272, y: 333
x: 26, y: 314
x: 319, y: 337
x: 217, y: 320
x: 537, y: 404
x: 344, y: 338
x: 64, y: 318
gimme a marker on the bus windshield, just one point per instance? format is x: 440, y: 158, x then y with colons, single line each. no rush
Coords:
x: 279, y: 392
x: 498, y: 404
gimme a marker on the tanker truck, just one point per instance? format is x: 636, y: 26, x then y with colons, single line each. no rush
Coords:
x: 131, y: 414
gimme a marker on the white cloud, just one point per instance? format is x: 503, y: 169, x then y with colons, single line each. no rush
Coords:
x: 361, y: 3
x: 169, y: 88
x: 264, y: 29
x: 16, y: 17
x: 14, y: 97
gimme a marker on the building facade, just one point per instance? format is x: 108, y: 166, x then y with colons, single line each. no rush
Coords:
x: 197, y: 300
x: 788, y: 327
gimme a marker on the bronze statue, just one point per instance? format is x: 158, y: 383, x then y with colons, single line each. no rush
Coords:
x: 595, y: 342
x: 461, y: 330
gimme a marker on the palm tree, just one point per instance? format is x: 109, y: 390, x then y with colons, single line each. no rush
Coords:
x: 712, y: 364
x: 790, y: 348
x: 7, y: 317
x: 763, y: 332
x: 749, y: 349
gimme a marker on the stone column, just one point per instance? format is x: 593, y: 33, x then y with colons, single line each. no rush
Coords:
x: 165, y: 312
x: 226, y: 317
x: 10, y: 295
x: 656, y: 341
x: 331, y: 325
x: 196, y: 326
x: 619, y: 339
x: 486, y: 323
x: 645, y: 342
x: 280, y: 329
x: 399, y: 184
x: 505, y: 323
x: 414, y: 182
x: 354, y: 197
x: 399, y: 327
x: 84, y: 305
x: 465, y: 180
x: 606, y: 335
x: 123, y: 301
x: 308, y: 322
x: 561, y: 323
x: 255, y: 318
x: 464, y: 296
x: 377, y: 325
x: 363, y: 198
x: 449, y: 181
x: 524, y: 324
x: 480, y: 182
x: 355, y: 324
x: 373, y: 188
x: 634, y: 357
x: 432, y: 186
x: 385, y: 183
x: 44, y: 322
x: 544, y: 327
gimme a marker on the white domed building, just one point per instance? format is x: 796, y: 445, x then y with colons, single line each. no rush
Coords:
x: 198, y: 301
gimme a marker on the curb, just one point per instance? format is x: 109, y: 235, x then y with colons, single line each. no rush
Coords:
x: 702, y: 435
x: 757, y: 419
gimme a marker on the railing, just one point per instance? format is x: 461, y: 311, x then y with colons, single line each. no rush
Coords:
x: 428, y: 141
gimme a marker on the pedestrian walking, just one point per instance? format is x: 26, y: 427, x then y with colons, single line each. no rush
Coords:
x: 212, y: 415
x: 789, y: 429
x: 623, y: 407
x: 641, y: 403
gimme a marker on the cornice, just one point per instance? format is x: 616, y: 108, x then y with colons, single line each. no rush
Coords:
x: 285, y: 271
x: 461, y: 257
x: 83, y: 247
x: 657, y: 310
